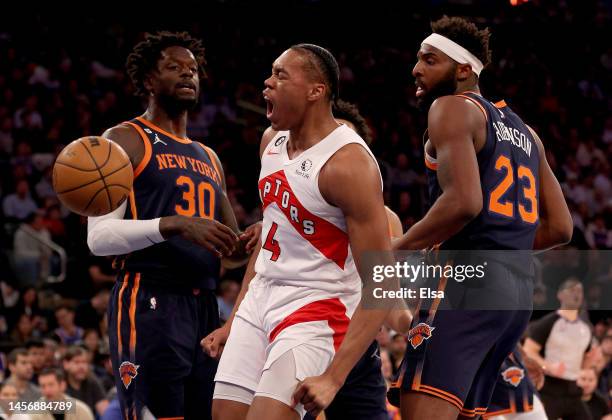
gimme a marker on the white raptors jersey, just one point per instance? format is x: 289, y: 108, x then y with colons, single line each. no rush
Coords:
x: 304, y: 239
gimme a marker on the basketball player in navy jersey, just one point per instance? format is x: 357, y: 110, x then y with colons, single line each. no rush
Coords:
x: 491, y: 189
x: 168, y: 237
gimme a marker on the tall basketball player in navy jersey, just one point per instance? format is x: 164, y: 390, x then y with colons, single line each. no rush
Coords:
x: 491, y: 189
x: 168, y: 237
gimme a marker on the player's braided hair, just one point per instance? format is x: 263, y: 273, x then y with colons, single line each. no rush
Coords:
x: 143, y: 59
x: 349, y: 112
x: 323, y: 61
x: 466, y: 34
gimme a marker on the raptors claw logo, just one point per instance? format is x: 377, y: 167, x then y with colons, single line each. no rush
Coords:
x: 128, y: 372
x: 419, y: 333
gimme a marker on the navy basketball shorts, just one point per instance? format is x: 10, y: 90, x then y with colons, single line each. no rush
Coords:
x: 454, y: 351
x: 364, y: 393
x: 154, y: 335
x: 513, y: 392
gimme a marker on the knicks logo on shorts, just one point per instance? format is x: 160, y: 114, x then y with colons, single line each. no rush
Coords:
x: 419, y: 333
x: 128, y: 372
x: 513, y: 375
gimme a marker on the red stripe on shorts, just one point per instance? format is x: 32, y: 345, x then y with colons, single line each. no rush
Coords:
x: 331, y: 310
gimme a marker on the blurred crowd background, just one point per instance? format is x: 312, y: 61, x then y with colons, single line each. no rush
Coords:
x: 62, y: 78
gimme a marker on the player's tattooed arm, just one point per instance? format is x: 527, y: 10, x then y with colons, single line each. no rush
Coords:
x: 454, y: 126
x: 555, y: 226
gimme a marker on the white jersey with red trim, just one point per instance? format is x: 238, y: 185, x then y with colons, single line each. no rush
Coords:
x: 304, y: 238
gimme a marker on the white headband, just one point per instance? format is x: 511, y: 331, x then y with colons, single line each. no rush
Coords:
x: 454, y: 51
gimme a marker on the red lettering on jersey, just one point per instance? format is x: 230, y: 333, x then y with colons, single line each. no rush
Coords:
x: 328, y: 238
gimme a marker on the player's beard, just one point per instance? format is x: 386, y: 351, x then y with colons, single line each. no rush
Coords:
x: 175, y: 106
x: 446, y: 86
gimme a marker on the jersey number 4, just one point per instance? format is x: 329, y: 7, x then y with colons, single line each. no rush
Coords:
x: 526, y: 180
x: 271, y: 244
x: 193, y: 198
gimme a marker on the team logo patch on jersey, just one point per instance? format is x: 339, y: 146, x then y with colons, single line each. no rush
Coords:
x: 153, y: 303
x: 306, y: 165
x: 419, y: 333
x: 128, y: 372
x: 280, y: 140
x: 513, y: 375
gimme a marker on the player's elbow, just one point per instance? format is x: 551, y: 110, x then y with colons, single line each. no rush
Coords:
x: 469, y: 207
x: 563, y: 230
x: 95, y: 242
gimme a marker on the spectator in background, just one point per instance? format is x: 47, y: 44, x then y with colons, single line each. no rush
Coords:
x: 6, y: 136
x: 44, y: 187
x: 91, y: 341
x: 101, y: 270
x: 67, y: 331
x: 82, y: 384
x: 397, y: 348
x: 36, y: 351
x: 32, y: 257
x: 597, y: 234
x: 229, y: 290
x: 23, y: 330
x: 8, y: 394
x: 20, y: 367
x: 19, y: 205
x: 52, y: 382
x: 54, y: 224
x: 596, y: 403
x: 605, y: 376
x: 558, y: 342
x: 90, y: 312
x: 51, y: 352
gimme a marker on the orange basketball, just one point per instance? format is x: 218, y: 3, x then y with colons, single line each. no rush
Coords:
x: 92, y: 176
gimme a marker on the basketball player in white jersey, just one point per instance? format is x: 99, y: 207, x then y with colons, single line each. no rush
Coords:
x: 322, y: 196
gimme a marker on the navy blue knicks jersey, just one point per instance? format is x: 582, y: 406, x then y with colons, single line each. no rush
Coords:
x: 176, y: 177
x: 509, y: 176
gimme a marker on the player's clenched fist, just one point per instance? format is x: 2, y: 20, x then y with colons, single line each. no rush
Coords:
x: 316, y: 393
x: 214, y: 342
x: 212, y: 235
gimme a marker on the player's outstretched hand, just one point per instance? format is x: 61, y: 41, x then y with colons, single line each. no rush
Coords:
x: 252, y: 234
x: 214, y: 342
x: 212, y: 235
x: 316, y: 393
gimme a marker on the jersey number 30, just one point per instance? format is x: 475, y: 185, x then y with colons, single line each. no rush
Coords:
x: 526, y: 180
x: 193, y: 198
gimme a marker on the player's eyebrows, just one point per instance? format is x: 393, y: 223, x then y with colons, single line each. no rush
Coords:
x: 426, y: 54
x: 277, y: 68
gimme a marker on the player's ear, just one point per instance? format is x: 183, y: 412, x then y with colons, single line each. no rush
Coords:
x: 317, y: 90
x: 463, y: 72
x: 148, y: 84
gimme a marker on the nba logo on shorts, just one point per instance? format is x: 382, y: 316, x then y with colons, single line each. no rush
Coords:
x: 513, y: 375
x: 419, y: 333
x: 127, y: 372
